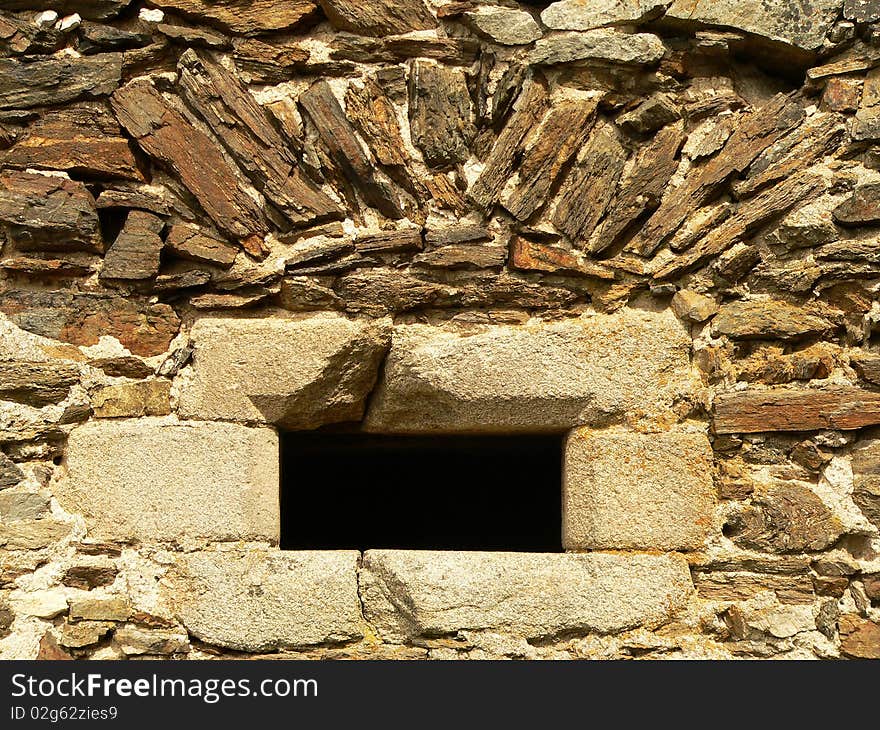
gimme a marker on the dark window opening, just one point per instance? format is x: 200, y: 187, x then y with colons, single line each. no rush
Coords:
x: 362, y: 491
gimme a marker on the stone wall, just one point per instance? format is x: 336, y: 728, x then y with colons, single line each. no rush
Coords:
x: 649, y: 226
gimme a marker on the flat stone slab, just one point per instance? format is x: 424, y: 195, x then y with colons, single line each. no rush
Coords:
x: 296, y: 373
x: 409, y: 593
x: 802, y: 26
x: 263, y: 600
x: 159, y: 479
x: 540, y: 377
x: 625, y: 490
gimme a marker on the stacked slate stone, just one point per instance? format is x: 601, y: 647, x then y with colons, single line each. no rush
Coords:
x: 650, y: 223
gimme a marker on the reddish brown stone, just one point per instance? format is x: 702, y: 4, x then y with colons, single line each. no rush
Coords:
x: 245, y: 17
x: 528, y: 255
x: 189, y: 242
x: 42, y: 212
x: 859, y: 638
x: 87, y: 577
x: 791, y: 409
x: 841, y: 95
x: 82, y: 139
x: 79, y: 318
x: 50, y: 651
x: 563, y: 132
x: 164, y: 134
x: 379, y: 17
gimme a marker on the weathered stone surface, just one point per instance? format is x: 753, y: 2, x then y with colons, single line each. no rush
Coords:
x: 769, y: 365
x: 785, y: 518
x: 84, y: 633
x: 22, y: 505
x: 379, y: 18
x: 530, y: 107
x: 866, y: 479
x: 135, y: 252
x: 193, y: 36
x: 562, y: 134
x: 796, y: 409
x: 270, y: 63
x: 98, y: 38
x: 82, y: 139
x: 244, y: 16
x: 49, y: 650
x: 36, y: 383
x: 631, y: 491
x: 135, y: 641
x: 820, y: 135
x: 405, y: 239
x: 370, y: 110
x: 42, y: 212
x: 750, y: 216
x: 296, y: 373
x: 57, y: 80
x: 130, y: 400
x: 18, y: 36
x: 407, y: 594
x: 548, y: 376
x: 82, y: 318
x: 88, y: 9
x: 589, y: 187
x: 156, y: 479
x: 103, y: 608
x: 765, y: 318
x: 610, y: 46
x: 258, y: 600
x: 579, y: 15
x: 861, y: 208
x: 532, y: 256
x: 189, y: 242
x: 463, y: 256
x: 87, y: 577
x: 640, y: 190
x: 754, y: 133
x: 774, y: 19
x: 859, y: 638
x: 506, y: 26
x: 401, y: 48
x: 164, y: 134
x: 243, y: 127
x: 440, y: 114
x: 861, y: 11
x: 10, y: 474
x: 655, y: 112
x: 688, y: 304
x: 31, y: 534
x: 353, y: 166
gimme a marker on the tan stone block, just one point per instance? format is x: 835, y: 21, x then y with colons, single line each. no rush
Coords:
x: 262, y: 600
x: 626, y: 490
x: 544, y: 376
x: 102, y: 608
x: 145, y: 398
x: 160, y: 479
x: 297, y: 373
x: 410, y: 593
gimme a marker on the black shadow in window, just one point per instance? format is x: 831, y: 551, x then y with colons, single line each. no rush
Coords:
x: 362, y: 491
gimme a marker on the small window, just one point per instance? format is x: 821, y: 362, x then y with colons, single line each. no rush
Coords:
x: 362, y: 491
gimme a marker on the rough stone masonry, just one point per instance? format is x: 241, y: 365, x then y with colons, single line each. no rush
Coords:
x: 649, y: 227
